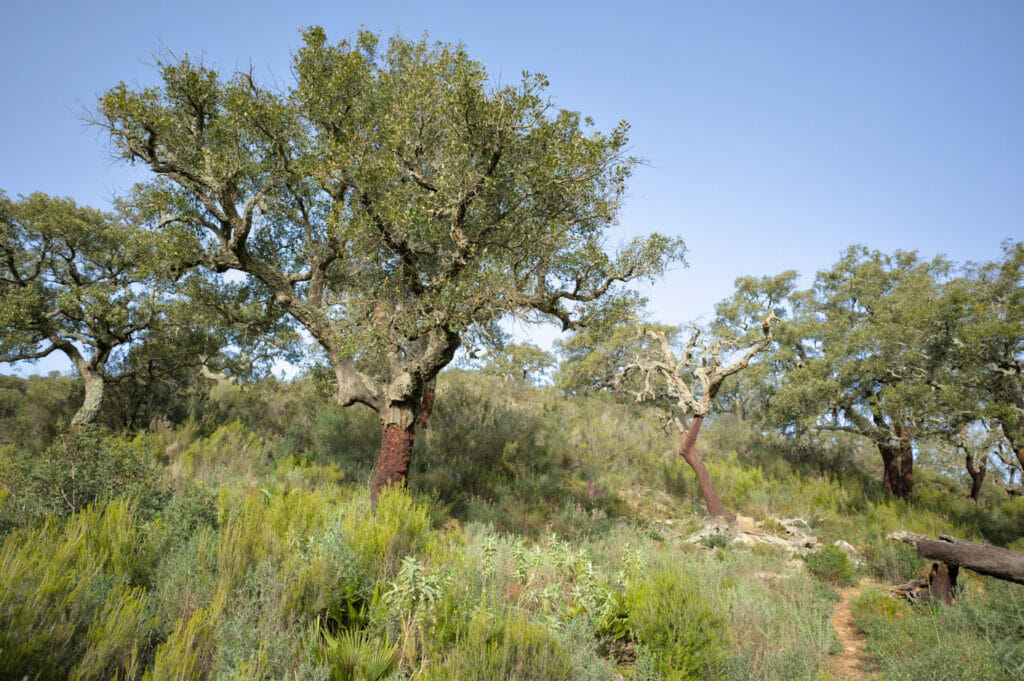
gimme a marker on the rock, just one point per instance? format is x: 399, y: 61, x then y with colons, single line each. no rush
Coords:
x: 746, y: 532
x: 851, y: 552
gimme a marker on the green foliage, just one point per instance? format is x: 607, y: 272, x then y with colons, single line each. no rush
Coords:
x: 67, y: 600
x: 238, y: 574
x: 980, y: 637
x: 353, y: 656
x: 831, y: 564
x: 34, y: 409
x: 88, y: 466
x: 504, y: 645
x: 78, y: 281
x: 519, y: 363
x: 670, y: 616
x: 390, y: 181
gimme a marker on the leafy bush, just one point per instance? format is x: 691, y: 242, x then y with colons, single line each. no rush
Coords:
x: 88, y: 466
x: 354, y: 656
x: 831, y: 564
x: 676, y: 626
x: 67, y: 601
x: 507, y: 646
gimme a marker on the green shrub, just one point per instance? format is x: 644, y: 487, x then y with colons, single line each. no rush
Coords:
x: 354, y: 656
x: 66, y: 596
x: 892, y: 562
x: 89, y: 466
x: 506, y: 646
x: 676, y: 626
x: 980, y: 637
x: 831, y: 564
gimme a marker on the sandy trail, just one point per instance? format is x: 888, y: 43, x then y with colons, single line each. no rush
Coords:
x: 849, y: 662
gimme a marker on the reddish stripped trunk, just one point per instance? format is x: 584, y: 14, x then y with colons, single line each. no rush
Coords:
x: 392, y: 468
x: 890, y: 469
x: 426, y: 406
x: 906, y: 461
x: 707, y: 489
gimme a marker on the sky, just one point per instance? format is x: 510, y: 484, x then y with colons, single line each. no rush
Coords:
x: 775, y: 134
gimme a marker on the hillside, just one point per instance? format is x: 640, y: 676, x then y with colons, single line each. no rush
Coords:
x: 542, y: 537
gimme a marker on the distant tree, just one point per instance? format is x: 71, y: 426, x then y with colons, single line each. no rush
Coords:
x: 988, y: 352
x: 392, y: 202
x: 867, y: 344
x: 79, y: 281
x: 591, y: 356
x: 523, y: 363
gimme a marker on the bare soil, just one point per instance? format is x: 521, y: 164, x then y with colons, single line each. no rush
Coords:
x: 849, y: 662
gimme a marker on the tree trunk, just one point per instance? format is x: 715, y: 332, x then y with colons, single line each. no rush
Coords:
x: 397, y: 436
x: 890, y: 469
x: 942, y: 582
x: 981, y: 558
x: 93, y: 382
x: 426, y: 405
x: 906, y: 461
x: 977, y: 474
x: 689, y: 453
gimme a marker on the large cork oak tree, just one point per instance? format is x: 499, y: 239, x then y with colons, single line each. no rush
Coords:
x: 394, y: 200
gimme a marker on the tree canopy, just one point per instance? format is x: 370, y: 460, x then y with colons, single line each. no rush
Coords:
x: 393, y: 200
x: 76, y: 280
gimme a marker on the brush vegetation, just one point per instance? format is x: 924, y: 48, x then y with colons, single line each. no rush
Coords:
x: 541, y: 537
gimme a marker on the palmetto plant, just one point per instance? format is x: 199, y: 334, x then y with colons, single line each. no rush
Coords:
x: 354, y: 656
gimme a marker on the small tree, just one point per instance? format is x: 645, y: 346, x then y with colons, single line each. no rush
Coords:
x: 686, y: 382
x: 392, y: 201
x: 75, y: 280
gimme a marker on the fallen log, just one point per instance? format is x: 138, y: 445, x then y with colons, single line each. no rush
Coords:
x: 981, y: 558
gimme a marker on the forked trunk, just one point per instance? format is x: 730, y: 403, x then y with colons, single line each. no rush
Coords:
x: 86, y: 414
x: 396, y: 440
x: 906, y: 461
x: 689, y: 453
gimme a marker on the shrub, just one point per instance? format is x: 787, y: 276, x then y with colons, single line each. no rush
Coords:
x: 670, y: 617
x: 89, y: 466
x: 65, y: 596
x: 505, y: 646
x: 981, y: 637
x: 830, y: 564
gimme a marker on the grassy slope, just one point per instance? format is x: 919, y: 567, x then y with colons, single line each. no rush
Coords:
x: 542, y: 539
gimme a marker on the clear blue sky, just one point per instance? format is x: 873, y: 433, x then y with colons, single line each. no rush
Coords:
x: 777, y: 133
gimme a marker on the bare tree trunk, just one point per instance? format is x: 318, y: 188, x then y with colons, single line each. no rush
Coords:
x: 942, y: 582
x: 93, y: 382
x: 398, y: 433
x: 906, y: 461
x: 426, y: 405
x: 977, y: 474
x: 689, y: 453
x: 890, y: 469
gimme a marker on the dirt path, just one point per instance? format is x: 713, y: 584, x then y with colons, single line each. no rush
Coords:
x: 849, y: 662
